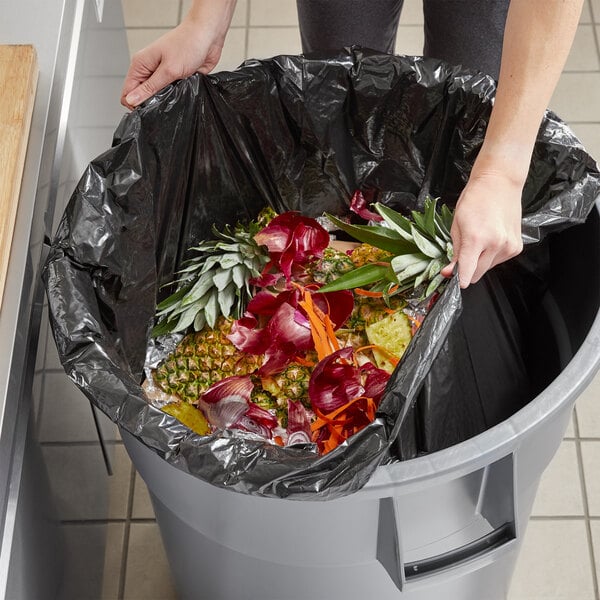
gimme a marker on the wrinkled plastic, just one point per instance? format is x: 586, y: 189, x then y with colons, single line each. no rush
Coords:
x: 297, y: 133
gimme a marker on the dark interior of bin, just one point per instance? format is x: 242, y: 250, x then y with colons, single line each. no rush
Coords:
x: 574, y: 285
x: 550, y: 331
x: 571, y: 303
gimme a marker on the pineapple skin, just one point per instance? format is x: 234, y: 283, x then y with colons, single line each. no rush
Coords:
x: 202, y: 359
x: 291, y: 383
x: 365, y: 253
x: 331, y: 265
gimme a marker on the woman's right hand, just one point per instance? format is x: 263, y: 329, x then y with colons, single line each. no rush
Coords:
x: 193, y: 46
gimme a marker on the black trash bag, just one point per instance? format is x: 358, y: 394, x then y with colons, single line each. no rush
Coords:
x: 296, y: 133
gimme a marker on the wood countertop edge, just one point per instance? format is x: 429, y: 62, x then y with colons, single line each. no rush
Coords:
x: 18, y: 64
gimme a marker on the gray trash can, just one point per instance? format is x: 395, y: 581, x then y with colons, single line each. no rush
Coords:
x: 448, y: 525
x: 302, y: 133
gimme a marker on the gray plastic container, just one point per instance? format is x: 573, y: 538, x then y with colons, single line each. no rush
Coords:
x: 447, y: 526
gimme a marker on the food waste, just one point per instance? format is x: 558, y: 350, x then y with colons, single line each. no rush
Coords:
x: 280, y: 330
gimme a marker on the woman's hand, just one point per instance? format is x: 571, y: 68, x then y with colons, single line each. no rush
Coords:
x: 193, y: 46
x: 487, y: 226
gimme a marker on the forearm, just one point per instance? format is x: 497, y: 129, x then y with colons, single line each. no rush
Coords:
x: 537, y: 40
x: 215, y: 15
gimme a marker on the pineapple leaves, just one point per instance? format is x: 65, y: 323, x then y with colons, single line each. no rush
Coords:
x: 214, y: 282
x: 427, y: 247
x: 222, y: 278
x: 421, y: 247
x: 211, y: 310
x: 399, y: 223
x: 226, y: 298
x: 365, y: 275
x: 380, y: 237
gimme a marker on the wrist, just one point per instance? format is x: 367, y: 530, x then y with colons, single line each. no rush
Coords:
x: 509, y: 161
x: 210, y: 16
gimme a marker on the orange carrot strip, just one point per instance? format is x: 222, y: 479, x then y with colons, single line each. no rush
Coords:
x: 338, y: 434
x: 331, y: 333
x: 415, y: 322
x: 303, y: 361
x: 330, y: 417
x: 278, y: 440
x: 368, y: 347
x: 323, y: 335
x: 368, y: 293
x: 391, y: 356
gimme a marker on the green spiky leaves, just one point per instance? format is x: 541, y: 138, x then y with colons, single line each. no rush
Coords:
x: 421, y: 247
x: 216, y: 281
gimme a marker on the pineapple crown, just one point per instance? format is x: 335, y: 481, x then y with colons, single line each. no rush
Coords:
x: 217, y: 280
x: 420, y: 248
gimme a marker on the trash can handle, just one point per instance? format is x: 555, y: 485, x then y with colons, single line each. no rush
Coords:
x: 496, y: 505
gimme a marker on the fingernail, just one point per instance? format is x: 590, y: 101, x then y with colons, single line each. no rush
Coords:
x: 132, y: 99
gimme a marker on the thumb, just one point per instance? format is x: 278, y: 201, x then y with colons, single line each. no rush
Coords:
x: 448, y: 270
x: 158, y: 80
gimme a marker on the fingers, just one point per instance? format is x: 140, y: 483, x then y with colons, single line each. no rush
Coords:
x: 468, y: 255
x: 145, y: 89
x: 477, y: 255
x: 143, y: 65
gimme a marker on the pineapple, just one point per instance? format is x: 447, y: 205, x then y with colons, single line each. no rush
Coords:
x: 391, y: 335
x: 217, y: 281
x: 201, y: 359
x: 291, y: 383
x: 365, y: 253
x: 419, y: 250
x: 331, y: 265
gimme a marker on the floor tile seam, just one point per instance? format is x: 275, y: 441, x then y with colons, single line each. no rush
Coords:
x: 40, y: 412
x: 143, y: 27
x: 274, y: 27
x: 582, y: 71
x: 586, y: 507
x: 126, y: 535
x: 247, y: 30
x: 108, y: 521
x: 570, y: 517
x: 558, y: 518
x: 78, y: 443
x: 595, y: 28
x: 180, y: 11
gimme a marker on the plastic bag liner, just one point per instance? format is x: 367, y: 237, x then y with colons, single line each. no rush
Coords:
x: 302, y: 133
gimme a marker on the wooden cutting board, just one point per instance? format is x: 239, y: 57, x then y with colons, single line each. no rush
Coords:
x: 18, y: 80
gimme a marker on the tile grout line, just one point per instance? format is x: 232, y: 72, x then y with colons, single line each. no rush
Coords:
x: 586, y: 508
x: 39, y: 416
x: 126, y: 536
x: 557, y: 518
x: 167, y: 27
x: 596, y: 40
x: 180, y: 11
x: 84, y: 444
x: 247, y: 31
x: 113, y: 520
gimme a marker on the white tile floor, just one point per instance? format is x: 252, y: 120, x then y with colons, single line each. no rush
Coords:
x: 561, y: 554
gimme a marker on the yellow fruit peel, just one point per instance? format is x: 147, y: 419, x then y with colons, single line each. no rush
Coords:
x: 189, y: 415
x: 392, y: 334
